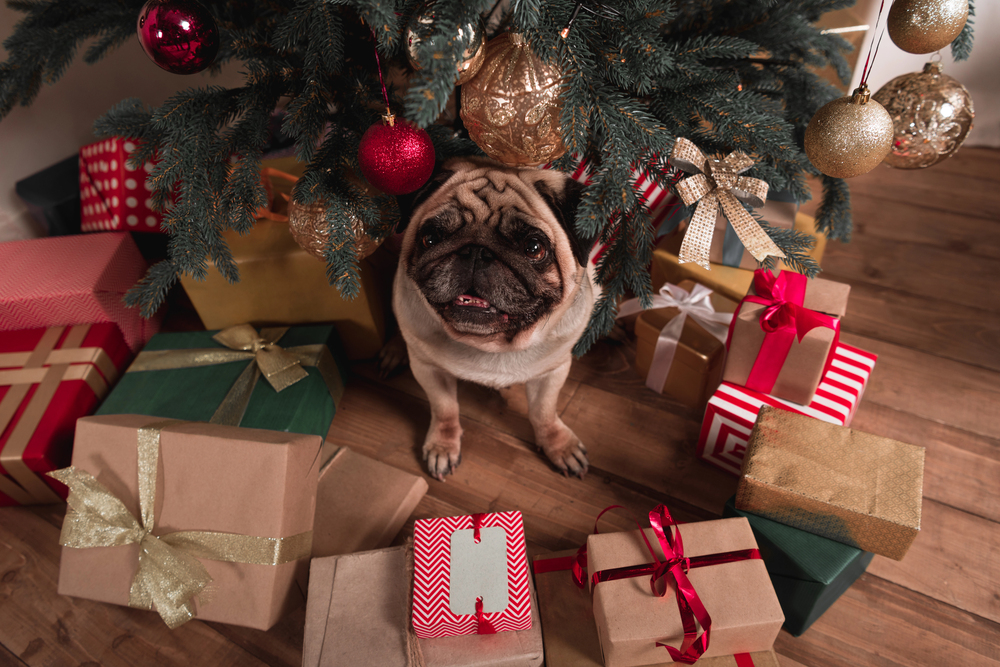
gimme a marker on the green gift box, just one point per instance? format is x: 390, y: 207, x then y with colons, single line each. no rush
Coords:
x: 281, y: 379
x: 809, y: 572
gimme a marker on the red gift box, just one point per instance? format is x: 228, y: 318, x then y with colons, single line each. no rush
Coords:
x: 49, y: 378
x: 470, y: 575
x: 112, y: 195
x: 733, y: 409
x: 65, y: 280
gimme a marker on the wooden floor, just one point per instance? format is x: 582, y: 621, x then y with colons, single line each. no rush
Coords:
x: 924, y: 267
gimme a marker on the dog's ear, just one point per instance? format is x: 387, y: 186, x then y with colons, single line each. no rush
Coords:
x: 563, y: 197
x: 409, y: 203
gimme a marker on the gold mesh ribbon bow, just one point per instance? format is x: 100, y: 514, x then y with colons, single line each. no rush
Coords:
x: 718, y: 183
x: 169, y: 574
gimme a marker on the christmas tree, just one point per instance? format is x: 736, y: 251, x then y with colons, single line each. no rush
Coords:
x: 633, y: 77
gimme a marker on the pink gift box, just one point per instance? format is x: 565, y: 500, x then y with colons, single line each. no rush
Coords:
x: 66, y: 280
x: 733, y: 409
x: 112, y: 195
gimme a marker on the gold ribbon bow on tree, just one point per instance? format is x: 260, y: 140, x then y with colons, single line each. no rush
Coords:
x: 718, y: 183
x: 169, y: 574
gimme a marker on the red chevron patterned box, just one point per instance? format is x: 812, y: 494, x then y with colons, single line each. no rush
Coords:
x: 470, y: 575
x: 732, y: 410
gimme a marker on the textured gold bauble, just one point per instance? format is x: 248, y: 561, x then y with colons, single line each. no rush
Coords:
x: 931, y: 116
x: 849, y: 136
x: 511, y: 108
x: 307, y: 222
x: 926, y: 26
x: 472, y: 58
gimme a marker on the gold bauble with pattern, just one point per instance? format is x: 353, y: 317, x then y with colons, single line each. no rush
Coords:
x: 926, y: 26
x: 511, y: 107
x: 849, y: 136
x: 421, y: 26
x: 307, y: 223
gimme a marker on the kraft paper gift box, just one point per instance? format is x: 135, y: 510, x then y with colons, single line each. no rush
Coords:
x: 809, y: 572
x: 853, y: 487
x: 66, y: 280
x: 729, y: 281
x: 785, y: 352
x: 358, y: 614
x: 282, y: 284
x: 194, y: 376
x: 732, y: 410
x: 630, y: 620
x: 48, y: 379
x: 361, y: 503
x: 113, y: 195
x: 253, y: 491
x: 567, y: 616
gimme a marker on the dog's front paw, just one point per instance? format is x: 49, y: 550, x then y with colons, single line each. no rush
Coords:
x: 443, y: 453
x: 392, y: 356
x: 564, y: 449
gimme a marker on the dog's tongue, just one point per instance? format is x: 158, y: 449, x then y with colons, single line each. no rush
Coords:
x: 474, y: 302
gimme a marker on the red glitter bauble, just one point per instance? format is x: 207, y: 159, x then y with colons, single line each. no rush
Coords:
x: 178, y: 35
x: 396, y: 157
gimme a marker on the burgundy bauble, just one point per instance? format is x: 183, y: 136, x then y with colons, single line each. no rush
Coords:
x: 178, y: 35
x: 395, y: 156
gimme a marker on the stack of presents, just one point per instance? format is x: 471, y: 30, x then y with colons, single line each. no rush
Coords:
x: 194, y: 462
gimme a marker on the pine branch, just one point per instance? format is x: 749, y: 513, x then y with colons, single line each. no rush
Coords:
x: 961, y: 47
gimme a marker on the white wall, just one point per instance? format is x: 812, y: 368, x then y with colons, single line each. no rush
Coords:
x: 979, y: 74
x: 60, y: 119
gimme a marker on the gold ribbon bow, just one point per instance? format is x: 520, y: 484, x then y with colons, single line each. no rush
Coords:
x: 718, y: 183
x: 169, y: 574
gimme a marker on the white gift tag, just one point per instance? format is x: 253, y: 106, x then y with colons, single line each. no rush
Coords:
x: 479, y: 570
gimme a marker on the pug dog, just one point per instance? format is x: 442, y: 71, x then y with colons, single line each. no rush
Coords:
x: 494, y: 286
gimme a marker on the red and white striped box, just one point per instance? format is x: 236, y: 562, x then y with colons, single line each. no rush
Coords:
x: 470, y: 575
x: 112, y: 195
x: 732, y: 410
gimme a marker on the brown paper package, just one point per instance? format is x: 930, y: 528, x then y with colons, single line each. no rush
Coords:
x: 746, y: 615
x: 210, y: 477
x: 361, y: 503
x: 857, y: 488
x: 803, y: 368
x: 359, y: 614
x: 696, y: 370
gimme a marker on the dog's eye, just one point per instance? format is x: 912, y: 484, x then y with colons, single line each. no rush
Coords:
x: 534, y: 249
x: 429, y: 239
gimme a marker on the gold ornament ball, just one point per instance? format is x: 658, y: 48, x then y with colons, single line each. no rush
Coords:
x: 472, y: 58
x: 511, y: 108
x: 931, y: 115
x: 307, y: 222
x: 926, y: 26
x: 849, y: 136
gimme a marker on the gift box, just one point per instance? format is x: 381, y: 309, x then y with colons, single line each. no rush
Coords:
x: 361, y: 503
x: 636, y: 627
x: 198, y: 506
x: 732, y: 410
x: 53, y: 196
x: 113, y: 196
x: 470, y: 575
x: 857, y: 488
x: 216, y: 376
x: 783, y: 334
x: 281, y: 283
x: 809, y: 573
x: 358, y: 614
x: 70, y: 280
x: 680, y: 342
x: 731, y: 282
x: 48, y: 379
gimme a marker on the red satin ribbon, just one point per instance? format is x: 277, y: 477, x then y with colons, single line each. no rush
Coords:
x: 483, y: 626
x: 784, y: 320
x: 477, y: 524
x: 743, y: 660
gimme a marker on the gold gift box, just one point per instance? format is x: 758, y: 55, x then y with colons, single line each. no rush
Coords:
x: 857, y: 488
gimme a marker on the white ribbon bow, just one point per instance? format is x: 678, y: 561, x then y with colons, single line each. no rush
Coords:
x: 695, y: 304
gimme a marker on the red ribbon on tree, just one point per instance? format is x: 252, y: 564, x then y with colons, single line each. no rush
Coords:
x: 784, y: 321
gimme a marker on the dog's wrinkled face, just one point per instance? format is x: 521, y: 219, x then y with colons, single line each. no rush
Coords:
x: 493, y: 249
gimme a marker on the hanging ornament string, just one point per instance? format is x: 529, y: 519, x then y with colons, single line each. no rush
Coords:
x: 870, y: 59
x: 378, y: 66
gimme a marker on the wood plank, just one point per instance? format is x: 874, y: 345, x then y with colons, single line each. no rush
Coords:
x: 45, y: 628
x: 8, y: 659
x: 945, y: 190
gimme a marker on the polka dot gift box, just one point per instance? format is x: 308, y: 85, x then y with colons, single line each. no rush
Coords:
x: 113, y: 196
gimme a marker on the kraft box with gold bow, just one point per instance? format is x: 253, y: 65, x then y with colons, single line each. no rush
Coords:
x: 679, y: 592
x: 190, y: 519
x: 48, y: 379
x: 217, y: 377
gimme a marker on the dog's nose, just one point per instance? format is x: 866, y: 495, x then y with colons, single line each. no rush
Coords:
x: 477, y: 254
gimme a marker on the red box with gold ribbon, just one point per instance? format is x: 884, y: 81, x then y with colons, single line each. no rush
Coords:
x: 783, y: 334
x: 49, y: 378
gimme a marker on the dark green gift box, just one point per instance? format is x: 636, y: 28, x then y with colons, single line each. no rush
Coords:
x: 808, y: 572
x: 190, y: 375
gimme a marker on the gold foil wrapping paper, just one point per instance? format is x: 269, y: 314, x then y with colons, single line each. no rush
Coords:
x: 857, y: 488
